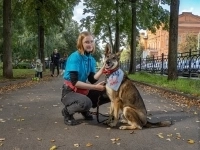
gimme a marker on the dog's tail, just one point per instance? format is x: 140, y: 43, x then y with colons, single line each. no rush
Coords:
x: 158, y: 124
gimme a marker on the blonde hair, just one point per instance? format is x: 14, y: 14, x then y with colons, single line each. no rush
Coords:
x: 79, y: 44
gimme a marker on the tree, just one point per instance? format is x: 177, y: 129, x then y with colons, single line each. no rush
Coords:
x: 105, y: 18
x: 188, y: 42
x: 173, y: 40
x: 7, y: 52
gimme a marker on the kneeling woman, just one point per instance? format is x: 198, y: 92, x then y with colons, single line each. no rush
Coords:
x: 77, y: 94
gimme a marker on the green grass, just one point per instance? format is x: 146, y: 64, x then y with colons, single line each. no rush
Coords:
x: 21, y: 74
x: 185, y: 85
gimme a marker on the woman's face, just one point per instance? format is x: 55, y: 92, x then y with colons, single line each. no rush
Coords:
x: 88, y: 43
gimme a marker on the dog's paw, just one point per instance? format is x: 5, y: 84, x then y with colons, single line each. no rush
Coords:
x: 112, y: 124
x: 122, y: 127
x: 123, y: 121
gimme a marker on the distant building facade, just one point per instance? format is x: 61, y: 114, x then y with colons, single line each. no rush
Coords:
x: 157, y: 43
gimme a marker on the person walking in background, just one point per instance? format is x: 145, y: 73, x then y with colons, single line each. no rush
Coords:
x: 55, y: 57
x: 63, y: 63
x: 78, y: 95
x: 38, y: 68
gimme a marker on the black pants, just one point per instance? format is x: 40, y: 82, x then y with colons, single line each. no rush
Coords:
x: 55, y: 66
x: 38, y: 74
x: 76, y: 102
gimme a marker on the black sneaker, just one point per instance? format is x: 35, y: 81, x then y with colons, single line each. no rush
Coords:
x: 87, y: 115
x: 69, y: 119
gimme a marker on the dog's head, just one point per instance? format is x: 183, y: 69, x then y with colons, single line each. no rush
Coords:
x: 111, y: 60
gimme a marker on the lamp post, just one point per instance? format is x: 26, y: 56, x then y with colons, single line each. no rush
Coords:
x: 38, y: 15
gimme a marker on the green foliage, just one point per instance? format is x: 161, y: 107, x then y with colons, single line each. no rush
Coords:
x: 22, y: 65
x: 180, y: 85
x: 190, y: 42
x: 102, y: 17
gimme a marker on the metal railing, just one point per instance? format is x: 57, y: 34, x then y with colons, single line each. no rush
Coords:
x: 188, y: 64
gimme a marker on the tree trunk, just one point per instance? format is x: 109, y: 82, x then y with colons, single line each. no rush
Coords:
x: 110, y: 37
x: 173, y: 39
x: 132, y: 68
x: 42, y: 46
x: 7, y: 52
x: 116, y: 45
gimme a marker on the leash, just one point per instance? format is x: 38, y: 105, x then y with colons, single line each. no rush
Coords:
x: 97, y: 113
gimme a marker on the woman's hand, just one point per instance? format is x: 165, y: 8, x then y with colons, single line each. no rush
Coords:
x: 100, y: 86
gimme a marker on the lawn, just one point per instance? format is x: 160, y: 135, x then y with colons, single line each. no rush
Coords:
x: 184, y: 85
x: 22, y: 73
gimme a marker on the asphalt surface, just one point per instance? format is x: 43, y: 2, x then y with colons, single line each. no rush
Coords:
x: 30, y: 119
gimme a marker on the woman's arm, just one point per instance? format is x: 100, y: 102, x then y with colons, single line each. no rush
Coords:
x: 99, y: 73
x: 83, y: 85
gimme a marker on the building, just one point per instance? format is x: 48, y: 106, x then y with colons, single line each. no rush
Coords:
x: 157, y: 43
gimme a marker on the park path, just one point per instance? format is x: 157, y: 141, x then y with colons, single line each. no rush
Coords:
x: 30, y: 119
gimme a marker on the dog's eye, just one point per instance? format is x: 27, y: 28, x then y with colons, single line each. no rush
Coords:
x: 113, y: 57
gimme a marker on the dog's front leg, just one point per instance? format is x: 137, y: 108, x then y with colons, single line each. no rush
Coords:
x: 110, y: 118
x: 115, y: 112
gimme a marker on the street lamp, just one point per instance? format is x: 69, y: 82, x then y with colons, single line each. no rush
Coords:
x: 38, y: 15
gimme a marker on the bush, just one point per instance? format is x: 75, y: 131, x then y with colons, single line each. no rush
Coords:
x: 22, y: 65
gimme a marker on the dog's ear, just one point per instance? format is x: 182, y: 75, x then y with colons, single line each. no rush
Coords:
x: 119, y: 53
x: 107, y: 50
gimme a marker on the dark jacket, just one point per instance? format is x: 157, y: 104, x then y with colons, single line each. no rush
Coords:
x: 55, y: 57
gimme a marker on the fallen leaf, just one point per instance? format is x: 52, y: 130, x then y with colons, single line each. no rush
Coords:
x: 97, y: 136
x: 160, y: 135
x: 1, y: 144
x: 76, y: 145
x: 39, y: 139
x: 169, y: 135
x: 190, y: 141
x: 168, y: 139
x: 52, y: 140
x: 2, y: 139
x: 53, y: 148
x: 88, y: 144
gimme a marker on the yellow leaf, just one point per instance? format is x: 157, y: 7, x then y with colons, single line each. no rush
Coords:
x: 88, y: 144
x: 1, y: 144
x: 168, y: 139
x: 190, y: 141
x: 76, y: 145
x: 195, y: 113
x: 53, y: 147
x: 160, y: 135
x: 2, y: 139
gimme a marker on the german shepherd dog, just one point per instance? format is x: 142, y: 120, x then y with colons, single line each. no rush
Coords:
x: 124, y: 96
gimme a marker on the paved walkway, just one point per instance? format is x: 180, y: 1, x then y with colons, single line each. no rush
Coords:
x: 30, y: 119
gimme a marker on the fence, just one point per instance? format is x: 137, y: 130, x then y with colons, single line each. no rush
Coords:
x: 188, y: 64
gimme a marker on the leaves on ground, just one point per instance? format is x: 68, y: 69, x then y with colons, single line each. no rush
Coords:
x: 180, y: 99
x: 20, y: 83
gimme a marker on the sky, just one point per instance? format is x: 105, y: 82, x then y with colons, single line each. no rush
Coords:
x: 185, y: 6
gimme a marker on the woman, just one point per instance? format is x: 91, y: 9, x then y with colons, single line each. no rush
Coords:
x: 77, y: 94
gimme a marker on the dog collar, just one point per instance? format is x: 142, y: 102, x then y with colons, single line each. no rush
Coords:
x: 108, y: 72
